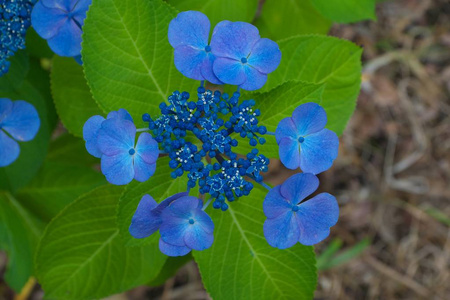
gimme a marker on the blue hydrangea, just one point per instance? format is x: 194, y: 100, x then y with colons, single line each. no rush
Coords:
x: 60, y: 22
x: 113, y: 140
x: 19, y: 122
x: 243, y: 58
x: 291, y: 219
x: 304, y: 142
x: 14, y: 22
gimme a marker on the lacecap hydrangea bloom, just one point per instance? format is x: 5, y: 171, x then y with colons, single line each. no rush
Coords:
x: 14, y: 22
x: 199, y: 135
x: 19, y: 122
x: 60, y: 22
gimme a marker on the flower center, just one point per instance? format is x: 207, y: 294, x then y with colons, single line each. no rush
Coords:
x: 191, y: 221
x: 132, y: 151
x: 294, y: 208
x: 208, y: 48
x: 244, y: 60
x: 301, y: 139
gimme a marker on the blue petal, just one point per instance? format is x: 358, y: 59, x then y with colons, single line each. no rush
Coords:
x: 143, y: 170
x: 6, y: 106
x: 80, y: 10
x: 315, y: 217
x: 207, y: 70
x: 147, y: 148
x: 120, y: 114
x: 255, y: 79
x: 78, y: 59
x: 172, y: 250
x: 9, y: 149
x: 275, y: 204
x: 299, y: 186
x: 233, y: 39
x: 59, y: 4
x: 309, y: 118
x: 67, y: 42
x: 265, y: 56
x: 22, y: 122
x: 318, y: 151
x: 288, y: 151
x: 190, y: 61
x: 118, y: 169
x: 47, y: 21
x: 199, y: 236
x: 90, y: 131
x: 229, y: 71
x: 144, y: 223
x: 116, y: 136
x: 286, y: 128
x: 166, y: 202
x: 283, y: 231
x: 189, y: 28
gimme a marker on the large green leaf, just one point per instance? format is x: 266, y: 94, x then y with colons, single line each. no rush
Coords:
x: 73, y: 99
x: 323, y: 60
x: 19, y: 235
x: 170, y: 268
x: 27, y: 82
x: 159, y: 186
x: 81, y: 254
x: 346, y: 11
x: 242, y: 265
x: 219, y: 10
x: 60, y: 182
x: 127, y: 58
x: 288, y: 96
x: 282, y: 19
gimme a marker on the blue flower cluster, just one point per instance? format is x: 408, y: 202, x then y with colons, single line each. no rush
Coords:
x: 60, y: 22
x: 19, y: 121
x: 200, y: 137
x: 14, y: 22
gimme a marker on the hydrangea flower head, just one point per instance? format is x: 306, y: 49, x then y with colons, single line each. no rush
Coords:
x: 14, y: 22
x: 243, y: 58
x: 185, y: 227
x: 19, y: 121
x: 60, y: 22
x: 113, y: 140
x: 291, y: 219
x: 147, y: 218
x: 305, y: 142
x: 188, y: 35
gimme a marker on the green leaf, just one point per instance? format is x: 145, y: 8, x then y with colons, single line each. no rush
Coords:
x: 288, y: 96
x: 19, y: 235
x: 73, y: 99
x: 36, y: 45
x: 282, y: 19
x: 81, y: 255
x: 128, y: 59
x: 219, y: 10
x: 323, y: 60
x: 30, y: 89
x: 58, y: 183
x: 160, y: 186
x: 242, y: 265
x: 68, y: 149
x: 346, y: 11
x: 170, y: 268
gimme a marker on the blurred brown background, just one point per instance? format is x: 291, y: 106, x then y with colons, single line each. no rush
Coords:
x: 392, y: 176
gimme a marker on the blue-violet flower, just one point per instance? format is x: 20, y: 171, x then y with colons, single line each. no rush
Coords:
x: 60, y: 22
x: 19, y: 121
x: 304, y: 142
x: 291, y: 219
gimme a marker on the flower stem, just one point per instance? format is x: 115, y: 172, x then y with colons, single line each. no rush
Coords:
x: 270, y: 133
x: 265, y: 185
x: 142, y: 129
x: 207, y: 203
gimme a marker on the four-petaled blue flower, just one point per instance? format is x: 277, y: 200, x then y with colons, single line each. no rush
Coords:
x: 113, y: 140
x: 304, y: 142
x: 243, y: 58
x: 19, y: 121
x: 60, y: 22
x: 290, y: 219
x: 188, y: 35
x: 185, y: 226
